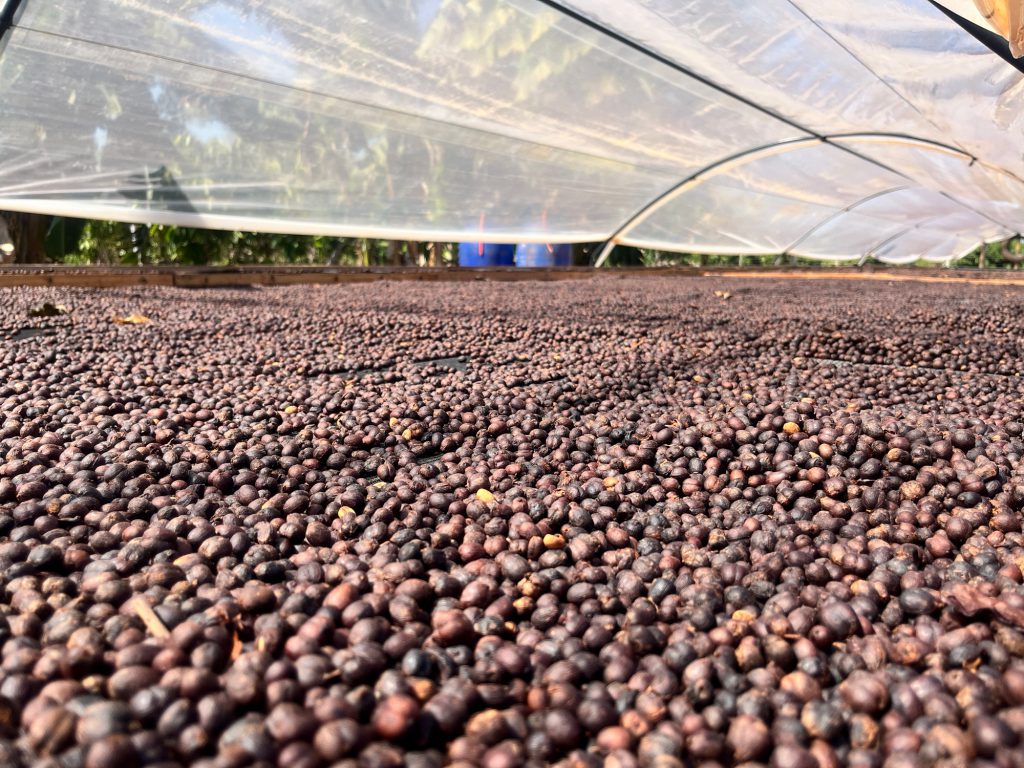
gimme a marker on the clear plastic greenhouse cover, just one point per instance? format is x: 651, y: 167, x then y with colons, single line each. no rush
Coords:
x: 820, y: 128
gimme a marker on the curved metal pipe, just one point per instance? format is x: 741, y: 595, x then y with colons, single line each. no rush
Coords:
x: 747, y: 156
x: 832, y: 217
x: 871, y: 253
x: 719, y: 166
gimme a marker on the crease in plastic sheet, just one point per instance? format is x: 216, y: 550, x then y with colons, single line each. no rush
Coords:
x: 510, y: 120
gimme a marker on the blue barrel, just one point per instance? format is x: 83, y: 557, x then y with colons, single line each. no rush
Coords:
x: 486, y: 255
x: 544, y: 255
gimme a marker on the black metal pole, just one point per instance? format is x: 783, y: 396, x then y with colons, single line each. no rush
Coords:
x: 987, y: 37
x: 9, y: 15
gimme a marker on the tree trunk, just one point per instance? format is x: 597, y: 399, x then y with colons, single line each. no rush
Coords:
x: 394, y: 253
x: 414, y: 252
x: 28, y: 234
x: 1013, y: 258
x: 981, y: 257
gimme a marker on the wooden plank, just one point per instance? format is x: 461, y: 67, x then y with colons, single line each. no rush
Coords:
x: 82, y: 280
x: 876, y: 277
x: 13, y: 276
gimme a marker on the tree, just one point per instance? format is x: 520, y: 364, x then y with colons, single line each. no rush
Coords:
x: 1012, y: 257
x: 28, y: 236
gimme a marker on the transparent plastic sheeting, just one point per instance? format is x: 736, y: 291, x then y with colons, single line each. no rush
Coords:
x: 903, y: 69
x: 871, y: 226
x: 692, y: 125
x: 787, y: 194
x: 992, y: 192
x: 217, y: 145
x: 814, y: 201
